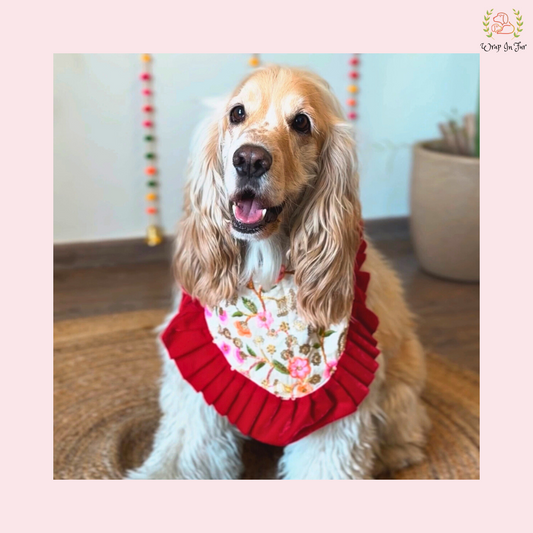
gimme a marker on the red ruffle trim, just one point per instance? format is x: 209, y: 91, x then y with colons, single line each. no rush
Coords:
x: 257, y: 412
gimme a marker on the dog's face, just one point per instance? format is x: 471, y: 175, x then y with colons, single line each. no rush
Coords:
x: 272, y: 134
x: 279, y: 158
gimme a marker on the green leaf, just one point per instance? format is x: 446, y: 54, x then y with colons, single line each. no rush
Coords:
x: 329, y: 332
x: 250, y: 351
x: 279, y: 367
x: 249, y: 305
x: 260, y: 365
x: 237, y: 313
x: 317, y: 346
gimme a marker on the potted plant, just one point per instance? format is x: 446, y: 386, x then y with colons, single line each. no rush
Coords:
x: 445, y: 201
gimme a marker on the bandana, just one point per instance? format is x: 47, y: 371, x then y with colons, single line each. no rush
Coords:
x: 257, y: 362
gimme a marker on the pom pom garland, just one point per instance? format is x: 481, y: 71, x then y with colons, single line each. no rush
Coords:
x: 353, y: 74
x: 154, y: 234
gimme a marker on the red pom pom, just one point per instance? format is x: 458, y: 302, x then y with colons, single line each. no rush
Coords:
x: 147, y: 92
x: 354, y: 74
x: 148, y: 123
x: 148, y: 108
x: 145, y: 76
x: 150, y: 170
x: 352, y: 115
x: 351, y: 102
x: 151, y: 210
x: 354, y: 61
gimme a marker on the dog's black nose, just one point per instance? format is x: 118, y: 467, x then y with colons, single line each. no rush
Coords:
x: 251, y: 161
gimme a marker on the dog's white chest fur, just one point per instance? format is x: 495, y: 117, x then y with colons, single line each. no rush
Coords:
x: 262, y: 336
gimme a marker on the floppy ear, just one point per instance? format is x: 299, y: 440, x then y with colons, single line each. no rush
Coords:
x: 325, y: 237
x: 206, y: 258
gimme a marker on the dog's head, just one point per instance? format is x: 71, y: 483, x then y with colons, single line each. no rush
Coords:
x: 279, y: 158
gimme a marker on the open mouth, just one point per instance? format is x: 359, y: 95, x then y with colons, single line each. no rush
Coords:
x: 249, y: 214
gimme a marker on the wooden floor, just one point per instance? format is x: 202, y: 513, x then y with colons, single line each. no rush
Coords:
x: 448, y: 312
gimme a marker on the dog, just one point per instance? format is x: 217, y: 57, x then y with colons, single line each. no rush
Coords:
x: 273, y: 185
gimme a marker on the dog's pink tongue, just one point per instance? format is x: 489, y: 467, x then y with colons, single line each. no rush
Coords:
x: 248, y: 211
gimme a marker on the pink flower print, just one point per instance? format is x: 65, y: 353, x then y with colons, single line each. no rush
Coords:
x: 299, y: 368
x: 223, y: 317
x: 225, y: 348
x: 330, y: 369
x: 207, y: 311
x: 237, y: 355
x: 264, y: 319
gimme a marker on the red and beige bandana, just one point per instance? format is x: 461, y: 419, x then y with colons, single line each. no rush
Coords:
x: 260, y: 365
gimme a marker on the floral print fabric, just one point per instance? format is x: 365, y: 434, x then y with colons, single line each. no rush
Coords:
x: 262, y: 336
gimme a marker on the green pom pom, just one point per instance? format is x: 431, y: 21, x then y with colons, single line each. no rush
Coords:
x: 149, y: 138
x: 149, y: 156
x: 152, y: 183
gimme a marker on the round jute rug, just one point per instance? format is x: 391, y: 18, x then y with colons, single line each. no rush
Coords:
x: 106, y: 372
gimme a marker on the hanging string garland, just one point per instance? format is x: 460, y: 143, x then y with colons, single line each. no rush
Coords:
x: 154, y: 233
x: 353, y: 88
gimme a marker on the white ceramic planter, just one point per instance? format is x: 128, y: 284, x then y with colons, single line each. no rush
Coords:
x: 445, y: 212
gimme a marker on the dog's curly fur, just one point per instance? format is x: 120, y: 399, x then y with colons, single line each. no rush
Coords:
x: 314, y: 177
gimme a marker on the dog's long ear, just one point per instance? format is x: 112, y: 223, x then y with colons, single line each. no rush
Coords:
x: 325, y: 237
x: 206, y: 258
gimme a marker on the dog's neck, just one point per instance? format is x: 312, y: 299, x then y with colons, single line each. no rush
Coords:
x: 263, y: 260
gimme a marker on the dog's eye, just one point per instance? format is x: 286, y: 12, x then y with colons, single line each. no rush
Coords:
x: 301, y: 123
x: 237, y: 114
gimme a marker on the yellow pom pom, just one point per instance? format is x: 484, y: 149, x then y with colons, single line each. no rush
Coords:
x: 151, y: 196
x: 154, y: 235
x: 352, y: 88
x: 146, y: 57
x: 253, y: 61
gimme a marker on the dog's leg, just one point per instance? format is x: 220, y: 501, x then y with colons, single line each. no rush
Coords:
x: 193, y: 441
x: 404, y: 433
x: 403, y: 429
x: 341, y: 450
